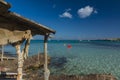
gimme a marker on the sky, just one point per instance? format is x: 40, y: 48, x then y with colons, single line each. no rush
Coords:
x: 73, y: 19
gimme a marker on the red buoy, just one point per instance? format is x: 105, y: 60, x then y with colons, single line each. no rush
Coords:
x: 69, y: 46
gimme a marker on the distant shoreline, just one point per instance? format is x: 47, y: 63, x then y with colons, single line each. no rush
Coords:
x: 114, y: 39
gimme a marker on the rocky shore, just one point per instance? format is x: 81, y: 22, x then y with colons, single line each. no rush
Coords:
x: 33, y: 68
x: 76, y: 77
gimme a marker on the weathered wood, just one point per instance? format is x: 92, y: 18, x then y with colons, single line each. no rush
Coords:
x: 14, y: 29
x: 4, y: 6
x: 16, y: 38
x: 2, y: 50
x: 6, y: 75
x: 20, y: 62
x: 26, y: 48
x: 10, y: 75
x: 21, y: 55
x: 47, y: 72
x: 9, y: 58
x: 15, y: 21
x: 10, y: 37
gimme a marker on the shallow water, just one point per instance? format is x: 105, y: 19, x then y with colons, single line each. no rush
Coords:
x: 84, y: 57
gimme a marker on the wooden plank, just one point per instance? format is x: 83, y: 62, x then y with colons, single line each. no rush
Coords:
x: 7, y: 73
x: 9, y: 58
x: 7, y: 78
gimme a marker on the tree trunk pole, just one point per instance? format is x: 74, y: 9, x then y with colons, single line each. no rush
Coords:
x: 20, y: 62
x: 2, y: 52
x: 46, y: 70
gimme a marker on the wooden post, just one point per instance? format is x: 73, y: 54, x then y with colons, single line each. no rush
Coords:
x: 2, y: 52
x: 20, y: 62
x: 46, y: 70
x: 38, y: 58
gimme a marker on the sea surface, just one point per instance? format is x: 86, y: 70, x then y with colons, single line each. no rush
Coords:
x: 82, y: 57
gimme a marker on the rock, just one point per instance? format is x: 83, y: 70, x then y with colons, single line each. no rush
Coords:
x: 76, y: 77
x: 58, y: 62
x: 4, y: 69
x: 34, y: 62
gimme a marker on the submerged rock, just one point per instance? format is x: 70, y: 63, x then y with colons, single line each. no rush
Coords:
x: 83, y: 77
x: 32, y: 67
x: 76, y: 77
x: 58, y: 62
x: 35, y: 62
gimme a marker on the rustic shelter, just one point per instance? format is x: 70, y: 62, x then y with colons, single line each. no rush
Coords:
x: 15, y: 29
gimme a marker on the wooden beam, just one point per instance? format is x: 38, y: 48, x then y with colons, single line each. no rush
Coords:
x: 4, y: 6
x: 46, y: 70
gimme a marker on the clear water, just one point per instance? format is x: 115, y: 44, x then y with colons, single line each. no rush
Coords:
x: 85, y: 57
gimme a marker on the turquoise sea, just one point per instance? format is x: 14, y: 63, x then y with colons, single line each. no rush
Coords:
x: 84, y: 57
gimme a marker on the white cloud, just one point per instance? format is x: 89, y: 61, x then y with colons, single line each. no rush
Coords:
x: 69, y: 9
x: 86, y: 11
x: 66, y: 14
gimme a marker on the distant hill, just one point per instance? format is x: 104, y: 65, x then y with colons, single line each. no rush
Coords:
x: 113, y: 39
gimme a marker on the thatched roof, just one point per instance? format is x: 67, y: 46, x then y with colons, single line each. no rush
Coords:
x: 12, y: 21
